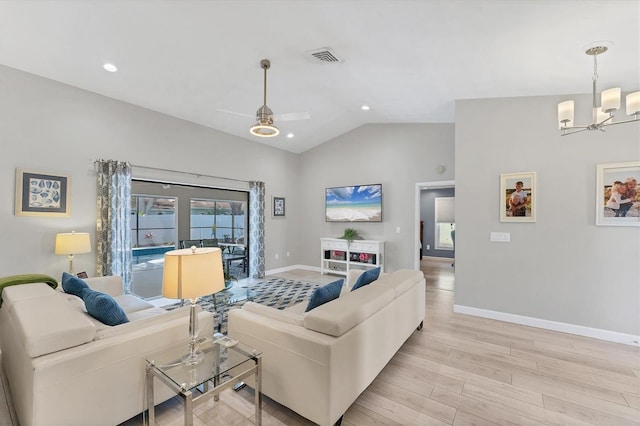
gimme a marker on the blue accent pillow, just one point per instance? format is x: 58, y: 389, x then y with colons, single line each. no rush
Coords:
x: 103, y: 307
x: 366, y: 277
x: 325, y: 294
x: 73, y: 285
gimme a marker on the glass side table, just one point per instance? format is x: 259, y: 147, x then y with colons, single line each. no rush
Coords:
x: 223, y: 366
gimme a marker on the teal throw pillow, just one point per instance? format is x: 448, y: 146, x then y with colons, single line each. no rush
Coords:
x: 103, y: 307
x: 366, y: 277
x: 73, y: 285
x: 325, y: 294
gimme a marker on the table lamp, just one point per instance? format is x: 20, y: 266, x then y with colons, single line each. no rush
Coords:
x: 189, y: 274
x: 72, y: 243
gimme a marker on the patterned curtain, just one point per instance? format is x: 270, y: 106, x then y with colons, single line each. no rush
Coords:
x: 256, y: 229
x: 113, y: 233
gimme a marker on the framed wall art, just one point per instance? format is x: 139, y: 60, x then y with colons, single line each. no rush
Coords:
x: 278, y: 207
x: 518, y: 197
x: 617, y: 194
x: 42, y: 194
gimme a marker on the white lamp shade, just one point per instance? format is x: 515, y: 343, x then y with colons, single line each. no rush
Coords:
x: 565, y: 113
x: 192, y: 273
x: 633, y: 103
x: 73, y: 243
x: 610, y: 100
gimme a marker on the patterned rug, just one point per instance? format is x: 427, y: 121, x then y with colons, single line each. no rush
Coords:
x: 276, y: 292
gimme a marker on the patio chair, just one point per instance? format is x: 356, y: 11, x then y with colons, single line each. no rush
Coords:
x: 210, y: 242
x: 188, y: 243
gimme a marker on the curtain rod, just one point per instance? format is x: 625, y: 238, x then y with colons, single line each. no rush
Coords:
x: 199, y: 175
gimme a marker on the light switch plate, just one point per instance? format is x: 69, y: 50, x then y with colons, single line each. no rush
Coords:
x: 501, y: 237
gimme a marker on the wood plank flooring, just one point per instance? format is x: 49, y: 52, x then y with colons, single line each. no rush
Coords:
x: 464, y: 370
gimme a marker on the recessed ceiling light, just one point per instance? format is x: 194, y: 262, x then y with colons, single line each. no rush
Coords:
x: 365, y: 107
x: 290, y: 135
x: 110, y: 67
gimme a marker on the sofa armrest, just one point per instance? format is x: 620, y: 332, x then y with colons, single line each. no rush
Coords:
x: 111, y: 284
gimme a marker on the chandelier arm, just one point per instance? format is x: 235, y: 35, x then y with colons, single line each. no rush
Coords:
x: 565, y: 132
x: 630, y: 120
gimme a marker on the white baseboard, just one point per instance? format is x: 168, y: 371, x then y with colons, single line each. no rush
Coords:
x: 596, y: 333
x: 292, y: 267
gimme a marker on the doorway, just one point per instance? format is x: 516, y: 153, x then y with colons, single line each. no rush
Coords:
x: 437, y: 259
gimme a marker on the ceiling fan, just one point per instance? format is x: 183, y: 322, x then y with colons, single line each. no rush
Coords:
x: 264, y: 116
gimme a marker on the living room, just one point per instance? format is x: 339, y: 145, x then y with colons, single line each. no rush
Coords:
x: 558, y: 272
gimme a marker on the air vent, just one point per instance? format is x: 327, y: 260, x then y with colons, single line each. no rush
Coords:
x: 324, y: 54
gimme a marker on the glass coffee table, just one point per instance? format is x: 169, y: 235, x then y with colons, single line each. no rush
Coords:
x: 224, y: 299
x: 226, y: 362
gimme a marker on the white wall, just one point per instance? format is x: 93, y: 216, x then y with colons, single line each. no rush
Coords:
x: 395, y: 155
x: 51, y: 127
x: 562, y: 268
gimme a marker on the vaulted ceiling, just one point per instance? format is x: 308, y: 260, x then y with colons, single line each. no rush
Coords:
x: 408, y: 60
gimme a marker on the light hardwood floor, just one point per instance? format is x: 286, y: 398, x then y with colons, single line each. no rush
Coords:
x: 464, y: 370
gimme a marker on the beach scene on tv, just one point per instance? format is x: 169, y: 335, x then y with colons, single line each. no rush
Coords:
x: 359, y: 203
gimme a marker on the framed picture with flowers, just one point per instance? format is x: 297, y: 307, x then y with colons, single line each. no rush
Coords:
x: 42, y: 194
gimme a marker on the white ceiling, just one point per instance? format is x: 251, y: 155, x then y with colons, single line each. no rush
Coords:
x: 408, y: 60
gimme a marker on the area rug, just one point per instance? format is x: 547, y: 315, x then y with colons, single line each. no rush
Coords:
x: 275, y: 292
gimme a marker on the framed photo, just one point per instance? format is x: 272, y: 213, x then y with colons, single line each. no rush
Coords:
x: 42, y: 194
x: 278, y: 206
x: 518, y: 197
x: 617, y: 194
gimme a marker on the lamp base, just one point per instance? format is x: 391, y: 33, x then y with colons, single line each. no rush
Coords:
x: 192, y: 358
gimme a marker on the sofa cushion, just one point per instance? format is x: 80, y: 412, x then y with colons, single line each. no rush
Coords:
x: 130, y: 303
x: 103, y: 307
x: 48, y: 324
x: 73, y: 285
x: 341, y: 315
x: 366, y: 277
x: 324, y: 294
x: 146, y: 320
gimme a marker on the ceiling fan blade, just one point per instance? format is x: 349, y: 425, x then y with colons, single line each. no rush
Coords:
x: 290, y: 116
x: 242, y: 114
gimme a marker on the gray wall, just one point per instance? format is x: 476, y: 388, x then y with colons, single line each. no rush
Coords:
x: 563, y: 267
x: 51, y: 127
x: 396, y: 155
x: 427, y: 214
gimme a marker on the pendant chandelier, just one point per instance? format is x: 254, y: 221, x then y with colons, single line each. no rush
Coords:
x: 602, y: 116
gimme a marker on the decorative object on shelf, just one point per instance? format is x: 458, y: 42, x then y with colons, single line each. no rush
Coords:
x: 40, y: 194
x: 617, y: 194
x: 339, y: 256
x: 603, y: 114
x: 278, y: 206
x: 189, y: 274
x: 72, y: 243
x: 360, y: 203
x: 518, y: 197
x: 364, y: 257
x: 351, y: 234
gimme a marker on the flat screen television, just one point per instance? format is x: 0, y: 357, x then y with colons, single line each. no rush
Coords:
x: 358, y: 203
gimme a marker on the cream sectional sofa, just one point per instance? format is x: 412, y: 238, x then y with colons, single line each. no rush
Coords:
x: 317, y: 363
x: 64, y: 367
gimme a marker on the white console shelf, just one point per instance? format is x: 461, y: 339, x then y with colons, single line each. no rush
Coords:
x: 338, y: 256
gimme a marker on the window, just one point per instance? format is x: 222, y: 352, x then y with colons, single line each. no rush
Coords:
x: 445, y: 222
x: 221, y: 219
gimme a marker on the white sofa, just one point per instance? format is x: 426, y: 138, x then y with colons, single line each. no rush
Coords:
x: 64, y: 367
x: 318, y: 363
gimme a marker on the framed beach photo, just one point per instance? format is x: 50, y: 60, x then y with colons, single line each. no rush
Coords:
x: 278, y: 206
x: 617, y: 194
x: 518, y: 197
x: 42, y: 194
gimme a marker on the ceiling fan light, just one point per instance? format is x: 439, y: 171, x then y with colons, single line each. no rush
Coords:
x: 264, y: 130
